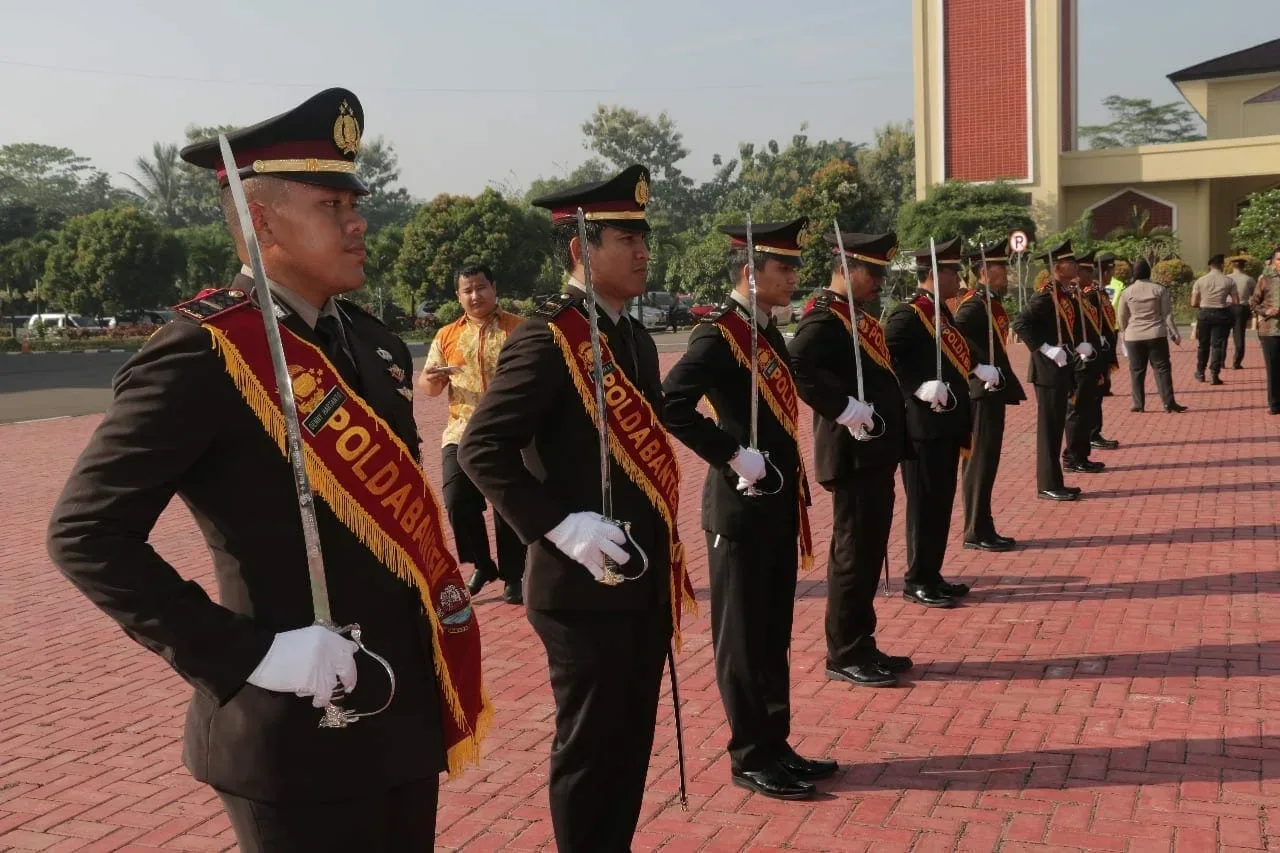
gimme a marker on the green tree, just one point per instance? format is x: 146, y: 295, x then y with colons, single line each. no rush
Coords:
x: 46, y: 177
x: 383, y: 249
x: 21, y: 266
x: 1137, y: 121
x: 450, y: 230
x: 111, y: 261
x: 623, y: 136
x: 594, y: 169
x: 387, y: 204
x: 209, y: 258
x: 836, y: 191
x: 198, y: 190
x: 961, y: 209
x: 160, y: 186
x: 773, y: 173
x: 889, y: 166
x: 1258, y: 229
x: 1137, y: 239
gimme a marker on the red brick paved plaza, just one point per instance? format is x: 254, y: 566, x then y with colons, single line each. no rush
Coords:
x: 1111, y: 685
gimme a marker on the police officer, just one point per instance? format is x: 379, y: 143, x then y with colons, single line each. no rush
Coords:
x: 751, y: 538
x: 179, y: 424
x: 938, y: 419
x: 981, y: 318
x: 1213, y: 296
x: 857, y: 443
x: 1240, y: 313
x: 605, y: 642
x: 1090, y: 364
x: 1049, y: 326
x: 1109, y: 331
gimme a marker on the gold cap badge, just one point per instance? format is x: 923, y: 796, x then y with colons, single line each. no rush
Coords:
x: 346, y: 130
x: 642, y: 191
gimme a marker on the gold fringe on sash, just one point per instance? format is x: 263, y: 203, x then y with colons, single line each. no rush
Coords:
x: 353, y: 515
x: 637, y: 475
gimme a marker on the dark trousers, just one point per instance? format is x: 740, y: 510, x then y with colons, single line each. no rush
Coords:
x: 862, y: 514
x: 1156, y: 351
x: 402, y: 820
x: 1271, y: 358
x: 1240, y: 315
x: 1213, y: 325
x: 753, y: 589
x: 980, y: 469
x: 1082, y: 407
x: 1104, y: 390
x: 930, y: 483
x: 606, y: 670
x: 465, y: 507
x: 1051, y: 421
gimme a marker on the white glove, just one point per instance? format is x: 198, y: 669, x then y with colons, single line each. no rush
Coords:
x: 749, y: 465
x: 934, y: 393
x: 857, y: 417
x: 1084, y: 349
x: 587, y: 539
x: 988, y: 375
x: 1055, y: 354
x: 309, y: 662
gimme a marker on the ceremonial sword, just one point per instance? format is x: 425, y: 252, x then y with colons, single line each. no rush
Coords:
x: 863, y: 435
x: 613, y: 577
x: 937, y: 318
x: 753, y: 441
x: 335, y: 716
x: 991, y: 318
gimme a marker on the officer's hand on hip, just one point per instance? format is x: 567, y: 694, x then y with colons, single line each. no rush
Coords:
x: 749, y: 465
x: 309, y: 662
x: 586, y: 538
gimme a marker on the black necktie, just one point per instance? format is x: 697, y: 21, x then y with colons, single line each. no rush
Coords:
x: 627, y: 348
x: 329, y: 331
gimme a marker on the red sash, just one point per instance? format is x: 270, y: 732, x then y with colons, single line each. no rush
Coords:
x: 637, y: 441
x: 953, y: 343
x: 999, y: 315
x: 1108, y: 310
x: 778, y: 390
x: 1066, y: 312
x: 364, y: 472
x: 1091, y: 311
x: 870, y: 334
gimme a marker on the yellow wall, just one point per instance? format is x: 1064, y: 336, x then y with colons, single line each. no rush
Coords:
x: 1191, y: 201
x: 1227, y: 116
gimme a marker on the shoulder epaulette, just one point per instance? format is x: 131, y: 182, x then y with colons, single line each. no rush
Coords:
x: 719, y: 311
x: 554, y: 306
x: 822, y: 300
x: 213, y: 302
x: 347, y: 304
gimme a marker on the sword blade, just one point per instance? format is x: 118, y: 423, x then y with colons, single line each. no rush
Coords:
x: 755, y: 346
x: 937, y: 304
x: 284, y: 386
x: 597, y: 371
x: 853, y: 312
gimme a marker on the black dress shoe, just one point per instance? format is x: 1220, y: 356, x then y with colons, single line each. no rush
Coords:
x: 513, y: 592
x: 1008, y: 540
x: 1216, y: 381
x: 928, y: 596
x: 806, y: 769
x: 955, y: 590
x: 893, y: 663
x: 1136, y: 409
x: 988, y: 544
x: 774, y: 782
x: 1199, y: 377
x: 480, y: 577
x: 1088, y: 466
x: 1057, y: 495
x: 869, y: 674
x: 1274, y: 411
x: 1104, y: 443
x: 1075, y: 490
x: 1175, y: 409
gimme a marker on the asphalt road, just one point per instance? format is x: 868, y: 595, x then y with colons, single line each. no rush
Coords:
x: 59, y: 385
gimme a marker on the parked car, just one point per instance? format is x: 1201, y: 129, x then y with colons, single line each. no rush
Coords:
x: 63, y: 321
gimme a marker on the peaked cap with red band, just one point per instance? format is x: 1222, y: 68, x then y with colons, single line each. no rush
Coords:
x: 877, y: 249
x: 948, y: 255
x: 618, y: 202
x: 316, y: 142
x: 777, y: 239
x: 992, y: 253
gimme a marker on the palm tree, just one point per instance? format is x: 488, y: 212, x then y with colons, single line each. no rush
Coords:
x: 160, y: 187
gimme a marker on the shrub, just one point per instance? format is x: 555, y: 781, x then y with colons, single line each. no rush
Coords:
x: 1172, y: 272
x: 448, y: 312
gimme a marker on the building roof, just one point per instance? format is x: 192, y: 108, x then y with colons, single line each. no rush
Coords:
x: 1259, y: 59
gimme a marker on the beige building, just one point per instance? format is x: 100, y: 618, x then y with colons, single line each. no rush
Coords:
x: 1027, y: 87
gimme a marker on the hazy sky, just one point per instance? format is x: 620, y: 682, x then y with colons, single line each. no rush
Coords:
x: 473, y: 91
